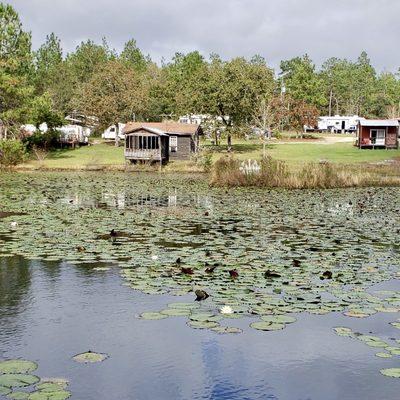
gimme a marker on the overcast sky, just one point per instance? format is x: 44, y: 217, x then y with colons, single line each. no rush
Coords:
x: 275, y: 29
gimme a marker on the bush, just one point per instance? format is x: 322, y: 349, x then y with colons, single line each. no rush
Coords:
x: 274, y: 173
x: 48, y: 140
x: 12, y: 152
x: 204, y: 160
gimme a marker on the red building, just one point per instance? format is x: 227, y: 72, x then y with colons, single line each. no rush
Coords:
x: 378, y: 133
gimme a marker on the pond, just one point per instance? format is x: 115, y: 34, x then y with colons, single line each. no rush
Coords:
x: 304, y: 295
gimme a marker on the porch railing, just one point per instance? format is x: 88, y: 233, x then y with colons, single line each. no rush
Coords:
x: 154, y: 154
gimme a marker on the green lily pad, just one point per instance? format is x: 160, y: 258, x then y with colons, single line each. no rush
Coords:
x: 4, y: 390
x: 383, y: 355
x: 153, y: 316
x: 17, y: 367
x: 226, y: 330
x: 90, y: 357
x: 267, y: 326
x: 278, y: 319
x: 51, y: 387
x: 18, y: 396
x: 391, y: 372
x: 17, y: 380
x: 202, y: 324
x: 342, y: 331
x: 60, y: 395
x: 176, y: 312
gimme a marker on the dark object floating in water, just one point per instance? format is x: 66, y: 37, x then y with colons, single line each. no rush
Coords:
x: 201, y: 295
x: 326, y: 275
x: 113, y: 233
x: 210, y: 270
x: 187, y: 271
x: 271, y: 274
x: 233, y: 273
x: 178, y: 260
x: 296, y: 263
x: 81, y: 249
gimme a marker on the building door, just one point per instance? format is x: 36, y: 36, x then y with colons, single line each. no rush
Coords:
x: 343, y: 126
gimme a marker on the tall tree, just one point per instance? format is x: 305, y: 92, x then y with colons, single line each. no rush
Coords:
x: 301, y: 81
x: 113, y: 94
x: 134, y: 57
x: 233, y: 90
x: 48, y: 59
x: 15, y: 68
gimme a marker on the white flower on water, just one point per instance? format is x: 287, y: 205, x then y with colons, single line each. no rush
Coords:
x: 226, y: 310
x: 154, y: 257
x: 14, y: 224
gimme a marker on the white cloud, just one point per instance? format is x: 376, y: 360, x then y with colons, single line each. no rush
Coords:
x: 275, y: 29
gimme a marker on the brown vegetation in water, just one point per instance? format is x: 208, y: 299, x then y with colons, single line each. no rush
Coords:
x: 275, y: 173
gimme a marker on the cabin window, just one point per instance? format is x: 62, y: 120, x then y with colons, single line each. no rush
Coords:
x: 378, y: 136
x: 173, y: 144
x: 112, y: 129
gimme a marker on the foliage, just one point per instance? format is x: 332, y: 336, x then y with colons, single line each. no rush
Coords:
x: 12, y: 152
x: 243, y: 93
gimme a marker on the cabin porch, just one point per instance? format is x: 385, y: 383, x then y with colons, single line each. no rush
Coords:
x: 145, y: 146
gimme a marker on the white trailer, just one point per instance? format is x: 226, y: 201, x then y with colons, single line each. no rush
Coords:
x: 110, y: 132
x: 338, y: 124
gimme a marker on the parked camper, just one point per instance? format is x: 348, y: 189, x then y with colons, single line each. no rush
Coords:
x: 336, y: 124
x: 74, y: 135
x: 110, y: 132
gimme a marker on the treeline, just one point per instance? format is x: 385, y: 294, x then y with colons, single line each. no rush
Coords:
x: 95, y: 80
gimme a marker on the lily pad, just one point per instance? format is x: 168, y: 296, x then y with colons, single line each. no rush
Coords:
x: 383, y: 355
x: 267, y: 326
x: 176, y: 312
x: 342, y: 331
x: 90, y: 357
x: 17, y: 367
x: 4, y: 390
x: 60, y: 395
x: 278, y: 319
x: 18, y: 396
x: 202, y: 324
x: 391, y: 372
x: 226, y: 330
x: 17, y: 380
x: 153, y: 316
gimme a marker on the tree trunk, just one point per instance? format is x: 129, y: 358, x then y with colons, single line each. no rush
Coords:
x: 116, y: 134
x: 229, y: 142
x: 330, y: 103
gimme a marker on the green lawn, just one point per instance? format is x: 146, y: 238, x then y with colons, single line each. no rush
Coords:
x: 305, y: 152
x: 107, y: 155
x: 84, y: 157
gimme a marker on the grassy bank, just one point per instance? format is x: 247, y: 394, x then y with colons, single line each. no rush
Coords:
x: 227, y: 172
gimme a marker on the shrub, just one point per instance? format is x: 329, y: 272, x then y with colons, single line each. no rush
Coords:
x: 12, y: 152
x: 204, y: 160
x: 40, y: 140
x: 274, y: 173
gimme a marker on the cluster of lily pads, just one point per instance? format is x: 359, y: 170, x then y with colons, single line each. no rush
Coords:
x: 291, y: 251
x: 387, y: 350
x: 17, y: 382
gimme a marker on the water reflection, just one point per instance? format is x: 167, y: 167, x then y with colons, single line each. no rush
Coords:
x: 59, y: 310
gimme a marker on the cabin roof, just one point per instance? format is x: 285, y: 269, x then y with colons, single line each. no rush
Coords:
x: 166, y: 128
x: 379, y: 122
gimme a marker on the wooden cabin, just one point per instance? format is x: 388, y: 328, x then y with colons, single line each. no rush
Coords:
x: 160, y: 141
x: 378, y: 133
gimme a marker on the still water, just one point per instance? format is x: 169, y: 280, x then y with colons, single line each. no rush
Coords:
x: 53, y: 310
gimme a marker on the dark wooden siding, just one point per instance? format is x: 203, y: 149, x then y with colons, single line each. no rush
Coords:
x: 184, y: 149
x: 391, y: 137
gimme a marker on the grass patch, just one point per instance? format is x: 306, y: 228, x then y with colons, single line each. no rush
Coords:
x: 277, y: 173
